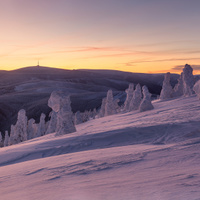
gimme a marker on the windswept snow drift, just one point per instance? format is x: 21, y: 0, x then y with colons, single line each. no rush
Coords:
x: 153, y: 155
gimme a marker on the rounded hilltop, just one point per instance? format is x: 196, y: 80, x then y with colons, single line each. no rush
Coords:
x: 39, y: 69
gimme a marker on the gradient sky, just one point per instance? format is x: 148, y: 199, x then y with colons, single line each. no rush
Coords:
x: 130, y: 35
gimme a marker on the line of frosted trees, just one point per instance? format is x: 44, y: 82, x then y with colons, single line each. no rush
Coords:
x: 63, y: 121
x: 60, y: 122
x: 184, y: 87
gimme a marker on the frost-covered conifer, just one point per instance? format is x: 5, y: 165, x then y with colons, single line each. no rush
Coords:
x: 61, y: 104
x: 197, y: 88
x: 110, y: 105
x: 116, y: 105
x: 188, y: 80
x: 102, y: 109
x: 51, y: 128
x: 178, y: 89
x: 94, y: 113
x: 1, y: 140
x: 85, y: 116
x: 166, y: 92
x: 12, y: 136
x: 32, y: 129
x: 90, y: 114
x: 146, y: 101
x: 42, y: 126
x: 19, y: 130
x: 6, y: 139
x: 137, y: 98
x: 78, y: 118
x: 129, y: 96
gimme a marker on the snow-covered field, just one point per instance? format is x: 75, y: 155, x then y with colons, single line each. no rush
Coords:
x: 153, y: 155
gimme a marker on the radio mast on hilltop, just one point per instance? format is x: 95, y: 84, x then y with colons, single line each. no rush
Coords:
x: 38, y: 63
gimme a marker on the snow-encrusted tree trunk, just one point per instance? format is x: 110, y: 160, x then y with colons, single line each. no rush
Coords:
x: 178, y: 88
x: 52, y: 123
x: 19, y: 130
x: 129, y: 96
x: 188, y: 80
x: 78, y: 118
x: 146, y: 101
x: 137, y: 98
x: 110, y: 106
x: 166, y: 92
x: 6, y: 139
x: 42, y: 126
x: 61, y: 104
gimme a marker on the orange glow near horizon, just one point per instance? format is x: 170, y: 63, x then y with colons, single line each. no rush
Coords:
x: 97, y: 58
x: 130, y: 36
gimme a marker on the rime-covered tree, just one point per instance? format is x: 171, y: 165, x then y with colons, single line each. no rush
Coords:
x: 6, y: 139
x: 197, y: 88
x: 146, y: 101
x: 78, y: 118
x: 94, y: 113
x: 166, y: 92
x: 129, y: 96
x: 102, y: 109
x: 188, y: 80
x: 42, y: 126
x: 51, y: 128
x: 91, y: 114
x: 178, y: 88
x: 1, y: 140
x: 61, y: 104
x: 19, y: 130
x: 110, y: 105
x: 137, y: 98
x: 85, y: 116
x: 32, y: 129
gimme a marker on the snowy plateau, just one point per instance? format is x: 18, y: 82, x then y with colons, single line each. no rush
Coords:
x: 152, y: 155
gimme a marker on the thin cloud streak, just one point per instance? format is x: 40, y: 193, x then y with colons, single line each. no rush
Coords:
x: 122, y: 51
x: 180, y: 67
x: 160, y: 60
x: 167, y: 43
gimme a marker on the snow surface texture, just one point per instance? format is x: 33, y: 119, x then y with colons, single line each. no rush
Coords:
x: 152, y: 155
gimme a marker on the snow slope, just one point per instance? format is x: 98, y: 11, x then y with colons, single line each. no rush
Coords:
x: 152, y: 155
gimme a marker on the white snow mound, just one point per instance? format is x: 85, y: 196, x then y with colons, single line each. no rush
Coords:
x: 152, y: 155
